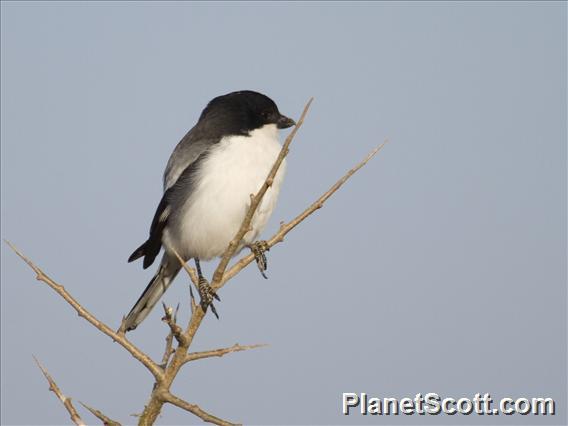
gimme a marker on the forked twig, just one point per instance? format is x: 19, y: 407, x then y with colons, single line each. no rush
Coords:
x: 170, y: 319
x: 174, y: 329
x: 285, y: 228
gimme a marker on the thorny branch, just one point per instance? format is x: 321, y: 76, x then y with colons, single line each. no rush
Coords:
x: 174, y: 329
x: 170, y: 319
x: 64, y: 400
x: 220, y: 352
x: 107, y: 421
x: 120, y: 338
x: 195, y: 409
x: 285, y: 228
x: 174, y: 358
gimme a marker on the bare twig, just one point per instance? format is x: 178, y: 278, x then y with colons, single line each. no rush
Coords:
x: 192, y: 300
x: 175, y: 329
x: 220, y: 352
x: 65, y: 400
x: 107, y: 421
x: 195, y: 409
x: 120, y: 338
x: 192, y: 275
x: 190, y: 271
x: 287, y: 227
x: 168, y: 351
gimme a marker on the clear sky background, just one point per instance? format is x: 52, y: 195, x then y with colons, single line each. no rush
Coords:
x: 440, y: 267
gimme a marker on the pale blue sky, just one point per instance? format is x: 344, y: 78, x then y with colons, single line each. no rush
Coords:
x: 441, y: 267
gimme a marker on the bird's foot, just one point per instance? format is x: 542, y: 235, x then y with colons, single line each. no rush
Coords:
x: 207, y: 295
x: 258, y: 249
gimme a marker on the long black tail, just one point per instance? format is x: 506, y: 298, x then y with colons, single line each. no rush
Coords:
x: 153, y: 292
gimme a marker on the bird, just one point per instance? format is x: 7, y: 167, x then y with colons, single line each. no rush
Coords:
x: 207, y: 187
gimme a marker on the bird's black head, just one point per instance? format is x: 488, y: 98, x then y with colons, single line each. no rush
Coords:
x: 241, y: 112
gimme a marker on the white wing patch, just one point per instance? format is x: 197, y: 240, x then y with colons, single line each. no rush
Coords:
x: 165, y: 214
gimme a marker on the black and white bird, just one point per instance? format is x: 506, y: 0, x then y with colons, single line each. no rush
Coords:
x: 208, y: 181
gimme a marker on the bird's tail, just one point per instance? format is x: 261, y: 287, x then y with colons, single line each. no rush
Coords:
x: 152, y: 294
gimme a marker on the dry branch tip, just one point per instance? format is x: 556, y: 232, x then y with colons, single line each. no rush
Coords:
x: 94, y: 321
x: 66, y: 401
x: 107, y: 421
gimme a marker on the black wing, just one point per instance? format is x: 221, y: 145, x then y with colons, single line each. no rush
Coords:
x: 151, y: 247
x: 171, y: 201
x: 178, y: 181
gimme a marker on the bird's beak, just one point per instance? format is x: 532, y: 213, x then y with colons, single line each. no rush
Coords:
x: 284, y: 122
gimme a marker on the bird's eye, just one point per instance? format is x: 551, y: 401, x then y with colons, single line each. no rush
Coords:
x: 265, y: 114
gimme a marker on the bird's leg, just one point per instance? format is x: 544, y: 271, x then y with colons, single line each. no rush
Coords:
x: 258, y: 249
x: 206, y: 293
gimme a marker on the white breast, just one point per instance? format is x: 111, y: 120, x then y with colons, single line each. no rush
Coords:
x: 236, y: 168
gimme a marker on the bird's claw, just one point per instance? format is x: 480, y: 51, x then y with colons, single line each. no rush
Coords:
x: 258, y: 249
x: 207, y: 295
